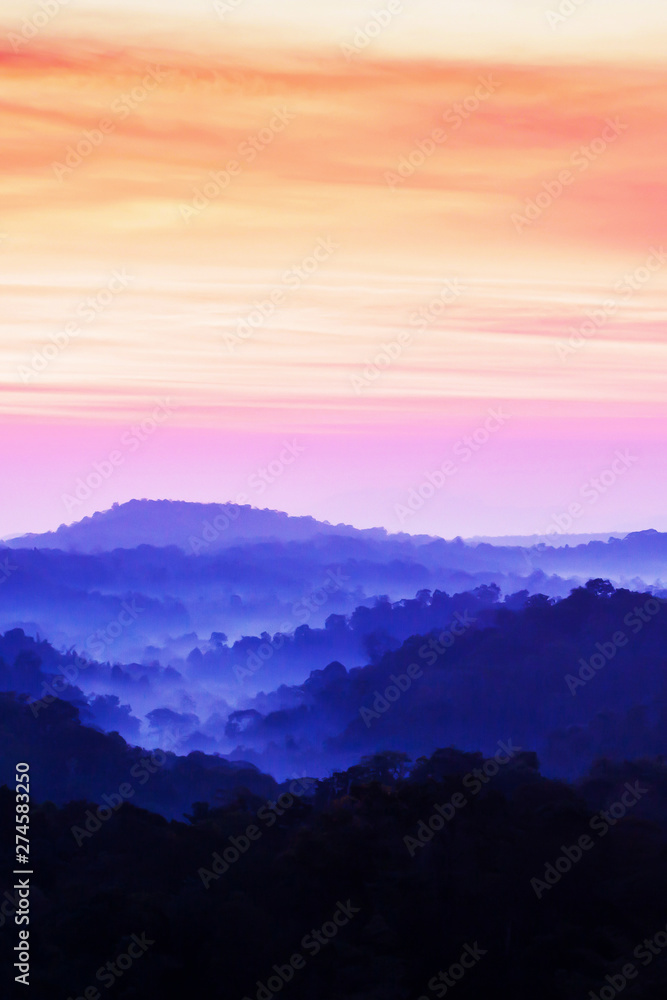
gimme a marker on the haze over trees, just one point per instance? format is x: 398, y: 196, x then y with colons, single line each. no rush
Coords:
x: 302, y: 727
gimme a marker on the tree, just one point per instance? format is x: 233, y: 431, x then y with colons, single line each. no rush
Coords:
x: 600, y: 587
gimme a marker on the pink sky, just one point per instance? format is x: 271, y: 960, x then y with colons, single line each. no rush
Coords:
x: 452, y: 221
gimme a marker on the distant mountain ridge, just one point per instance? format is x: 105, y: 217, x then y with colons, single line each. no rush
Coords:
x: 554, y: 539
x: 193, y: 527
x: 196, y: 527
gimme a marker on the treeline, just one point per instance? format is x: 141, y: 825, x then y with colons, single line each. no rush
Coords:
x: 575, y: 679
x: 71, y: 761
x: 387, y: 881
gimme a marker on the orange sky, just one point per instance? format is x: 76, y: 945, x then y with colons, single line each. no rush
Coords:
x: 314, y: 145
x: 330, y: 173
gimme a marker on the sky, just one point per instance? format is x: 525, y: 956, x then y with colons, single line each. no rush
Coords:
x: 383, y: 240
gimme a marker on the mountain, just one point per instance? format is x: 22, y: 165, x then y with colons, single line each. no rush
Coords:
x: 190, y: 526
x: 76, y: 762
x: 439, y: 670
x: 192, y: 569
x: 209, y: 527
x: 198, y: 529
x: 554, y: 539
